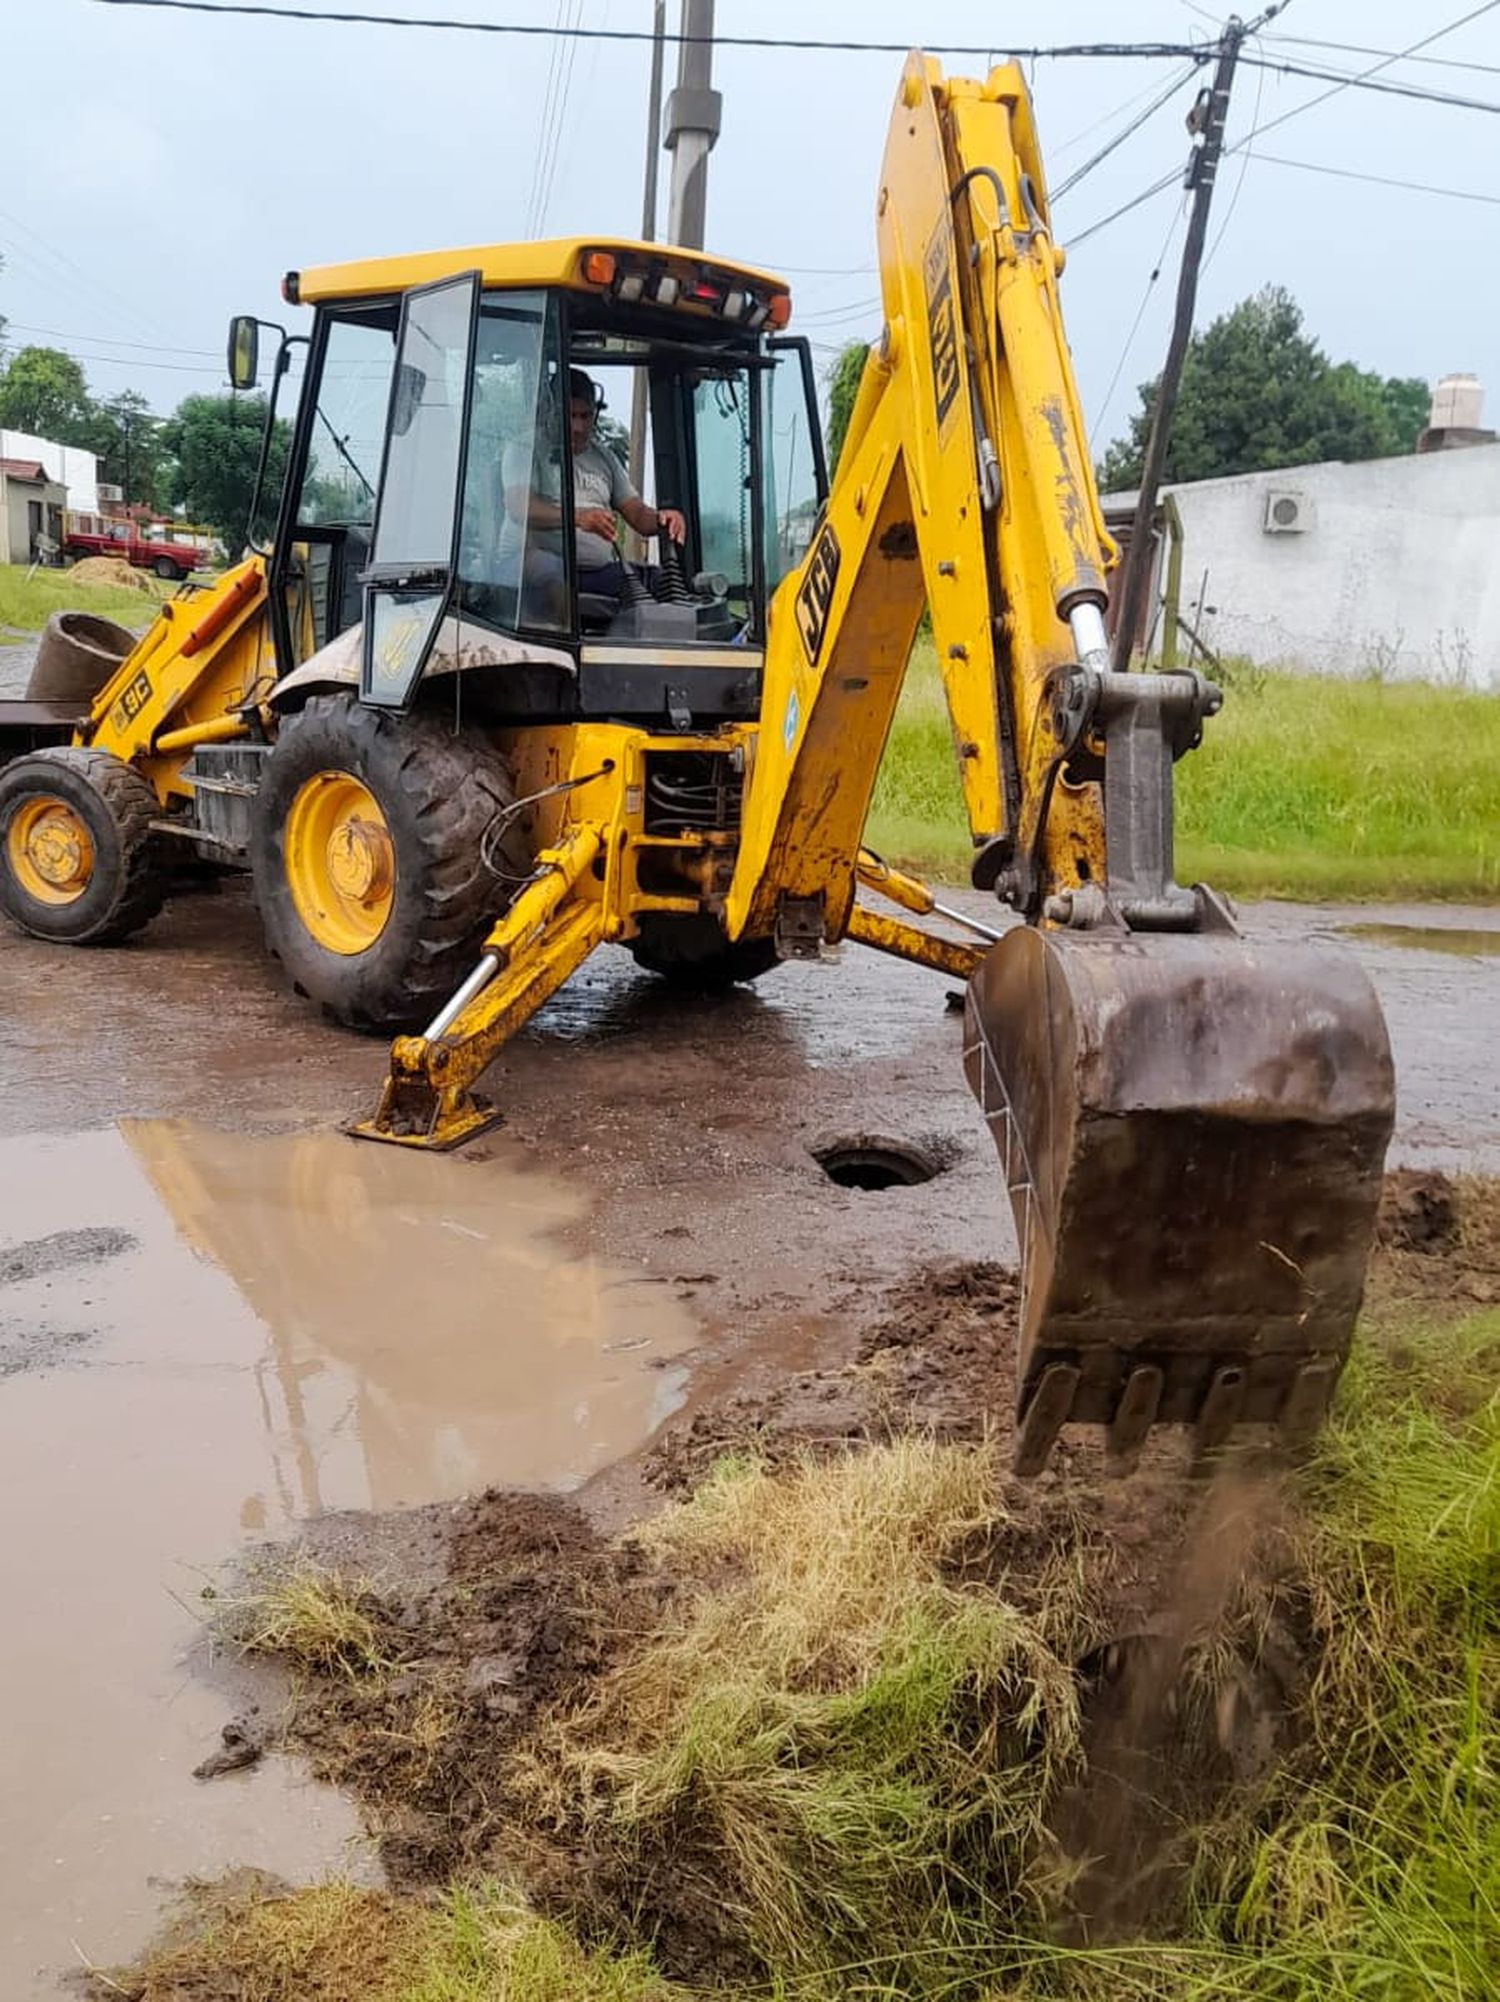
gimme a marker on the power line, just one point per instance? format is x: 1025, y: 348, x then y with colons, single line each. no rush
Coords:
x: 71, y: 275
x: 1132, y: 126
x: 556, y: 55
x: 1364, y: 80
x: 109, y: 341
x: 1358, y: 49
x: 174, y: 367
x: 560, y: 118
x: 1135, y: 325
x: 1125, y: 208
x: 538, y: 30
x: 1308, y: 104
x: 1380, y: 180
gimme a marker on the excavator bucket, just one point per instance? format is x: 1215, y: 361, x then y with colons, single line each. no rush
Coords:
x: 1192, y: 1129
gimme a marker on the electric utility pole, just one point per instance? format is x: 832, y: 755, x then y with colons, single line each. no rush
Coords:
x: 694, y: 111
x: 1206, y: 123
x: 648, y: 227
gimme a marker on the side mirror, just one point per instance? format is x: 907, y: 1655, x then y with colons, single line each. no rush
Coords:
x: 244, y: 350
x: 406, y: 400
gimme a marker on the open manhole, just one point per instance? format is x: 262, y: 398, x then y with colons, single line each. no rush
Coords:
x: 876, y: 1164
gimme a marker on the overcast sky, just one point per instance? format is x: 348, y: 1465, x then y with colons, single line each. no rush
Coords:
x: 161, y: 169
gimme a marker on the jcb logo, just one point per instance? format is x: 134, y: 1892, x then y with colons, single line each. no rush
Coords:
x: 131, y: 702
x: 942, y: 327
x: 816, y: 595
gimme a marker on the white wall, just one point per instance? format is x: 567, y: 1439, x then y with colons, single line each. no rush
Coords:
x: 76, y: 469
x: 1397, y: 573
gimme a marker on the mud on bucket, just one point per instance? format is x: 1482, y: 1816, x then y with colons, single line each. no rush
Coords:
x: 1192, y: 1129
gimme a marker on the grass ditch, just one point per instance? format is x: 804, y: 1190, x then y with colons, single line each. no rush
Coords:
x: 1304, y: 787
x: 819, y: 1729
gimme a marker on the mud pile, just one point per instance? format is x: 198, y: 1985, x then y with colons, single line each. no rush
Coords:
x: 113, y: 572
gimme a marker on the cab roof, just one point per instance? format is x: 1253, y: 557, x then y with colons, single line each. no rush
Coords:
x: 555, y: 261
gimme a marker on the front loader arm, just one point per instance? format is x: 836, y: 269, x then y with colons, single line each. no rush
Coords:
x: 964, y: 484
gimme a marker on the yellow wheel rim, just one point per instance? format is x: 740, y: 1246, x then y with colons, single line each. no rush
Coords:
x: 340, y: 862
x: 49, y: 850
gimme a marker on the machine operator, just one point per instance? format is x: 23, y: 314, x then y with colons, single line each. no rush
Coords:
x: 601, y: 489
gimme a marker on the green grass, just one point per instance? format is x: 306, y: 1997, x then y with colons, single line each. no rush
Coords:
x: 26, y: 603
x: 858, y: 1748
x: 258, y: 1941
x: 1306, y: 787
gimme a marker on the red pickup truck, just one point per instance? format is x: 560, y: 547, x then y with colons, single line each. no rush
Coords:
x: 167, y: 559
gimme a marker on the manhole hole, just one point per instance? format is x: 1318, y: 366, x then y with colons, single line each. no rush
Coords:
x: 875, y: 1164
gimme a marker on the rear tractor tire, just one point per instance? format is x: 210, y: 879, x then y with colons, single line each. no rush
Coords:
x: 376, y: 867
x: 78, y: 859
x: 693, y: 956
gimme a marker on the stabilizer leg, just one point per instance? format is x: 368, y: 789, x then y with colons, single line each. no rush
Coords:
x: 427, y: 1100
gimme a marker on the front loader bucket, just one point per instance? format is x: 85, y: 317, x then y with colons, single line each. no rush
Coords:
x: 1193, y: 1129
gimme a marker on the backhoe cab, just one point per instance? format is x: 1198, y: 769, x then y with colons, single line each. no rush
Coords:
x: 463, y: 730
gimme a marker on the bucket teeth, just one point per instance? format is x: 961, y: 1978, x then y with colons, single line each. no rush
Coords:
x: 1192, y: 1131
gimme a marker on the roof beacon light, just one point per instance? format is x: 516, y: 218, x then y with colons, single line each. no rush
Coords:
x: 781, y: 308
x: 599, y: 267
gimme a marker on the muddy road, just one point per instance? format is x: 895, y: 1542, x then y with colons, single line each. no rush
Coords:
x: 219, y: 1318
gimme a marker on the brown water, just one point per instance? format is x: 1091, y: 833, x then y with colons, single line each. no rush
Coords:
x: 1430, y: 938
x: 205, y: 1336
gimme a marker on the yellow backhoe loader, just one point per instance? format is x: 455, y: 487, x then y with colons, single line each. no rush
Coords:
x: 458, y: 752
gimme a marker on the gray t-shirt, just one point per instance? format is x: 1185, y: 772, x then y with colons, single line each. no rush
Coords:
x: 599, y: 480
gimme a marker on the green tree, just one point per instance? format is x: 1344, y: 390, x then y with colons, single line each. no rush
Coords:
x: 44, y: 391
x: 843, y: 376
x: 213, y: 443
x: 127, y: 439
x: 1258, y: 393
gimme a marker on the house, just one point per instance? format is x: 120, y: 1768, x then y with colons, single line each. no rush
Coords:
x: 31, y: 511
x: 69, y: 465
x: 1383, y: 567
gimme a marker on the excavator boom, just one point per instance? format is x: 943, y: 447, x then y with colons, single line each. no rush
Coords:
x: 1192, y: 1124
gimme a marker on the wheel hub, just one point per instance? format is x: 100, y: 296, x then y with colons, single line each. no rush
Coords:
x: 360, y: 859
x: 50, y: 850
x: 340, y: 862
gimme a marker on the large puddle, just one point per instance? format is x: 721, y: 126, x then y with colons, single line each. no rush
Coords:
x: 204, y: 1338
x: 1457, y: 939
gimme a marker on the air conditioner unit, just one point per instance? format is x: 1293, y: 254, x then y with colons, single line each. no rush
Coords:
x: 108, y: 492
x: 1287, y: 512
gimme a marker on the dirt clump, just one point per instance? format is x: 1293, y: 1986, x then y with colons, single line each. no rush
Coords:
x: 1437, y: 1239
x: 530, y: 1606
x: 938, y: 1357
x: 114, y: 572
x: 1418, y: 1212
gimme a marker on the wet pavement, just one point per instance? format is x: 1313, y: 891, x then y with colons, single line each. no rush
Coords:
x: 218, y: 1317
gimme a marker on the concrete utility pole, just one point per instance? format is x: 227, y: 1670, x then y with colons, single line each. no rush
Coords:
x: 693, y: 115
x: 648, y: 227
x: 1206, y: 119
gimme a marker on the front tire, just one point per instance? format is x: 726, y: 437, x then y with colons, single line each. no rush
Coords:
x: 78, y: 861
x: 375, y: 857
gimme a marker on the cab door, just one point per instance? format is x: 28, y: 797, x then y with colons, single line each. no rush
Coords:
x: 418, y: 511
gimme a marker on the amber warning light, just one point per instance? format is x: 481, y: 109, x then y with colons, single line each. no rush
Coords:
x: 646, y: 281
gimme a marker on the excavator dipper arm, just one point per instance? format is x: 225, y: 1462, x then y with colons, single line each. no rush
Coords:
x: 1192, y: 1125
